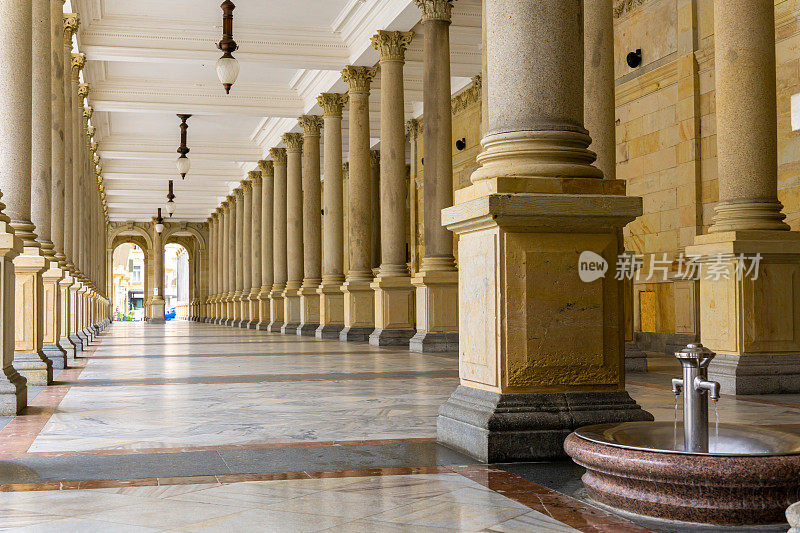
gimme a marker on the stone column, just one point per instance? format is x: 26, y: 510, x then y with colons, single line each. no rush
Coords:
x: 331, y: 299
x: 598, y: 90
x: 246, y: 256
x: 437, y: 281
x: 255, y: 249
x: 212, y: 267
x: 266, y: 276
x: 230, y: 258
x: 157, y: 303
x: 294, y: 232
x: 15, y: 183
x: 312, y: 227
x: 73, y: 115
x: 375, y: 204
x: 276, y: 305
x: 749, y: 319
x: 70, y: 23
x: 540, y: 352
x: 394, y: 297
x: 238, y: 263
x: 222, y: 261
x: 359, y: 298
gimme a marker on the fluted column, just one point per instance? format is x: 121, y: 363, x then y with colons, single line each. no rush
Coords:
x: 394, y: 297
x: 276, y: 306
x: 157, y: 303
x: 359, y: 300
x: 255, y: 249
x: 230, y: 258
x: 294, y: 232
x: 526, y: 338
x: 312, y: 227
x: 70, y: 23
x: 266, y: 276
x: 246, y: 257
x: 437, y: 281
x: 238, y: 253
x: 331, y: 305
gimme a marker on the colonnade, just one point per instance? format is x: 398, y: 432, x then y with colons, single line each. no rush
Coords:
x: 278, y: 243
x: 52, y: 225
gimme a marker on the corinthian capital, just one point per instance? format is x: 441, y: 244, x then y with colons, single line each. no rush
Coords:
x: 278, y: 155
x: 436, y: 9
x: 413, y: 128
x: 239, y: 193
x: 311, y: 124
x: 247, y: 185
x: 267, y: 170
x: 78, y: 62
x: 71, y: 24
x: 392, y: 44
x: 358, y: 78
x: 88, y: 111
x: 332, y: 104
x: 255, y: 178
x: 293, y: 142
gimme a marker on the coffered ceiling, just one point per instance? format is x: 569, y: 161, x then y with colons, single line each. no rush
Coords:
x: 149, y: 60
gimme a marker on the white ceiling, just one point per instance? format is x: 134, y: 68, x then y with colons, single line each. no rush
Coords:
x: 152, y: 59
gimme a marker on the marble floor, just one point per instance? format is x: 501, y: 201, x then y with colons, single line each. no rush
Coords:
x: 194, y: 427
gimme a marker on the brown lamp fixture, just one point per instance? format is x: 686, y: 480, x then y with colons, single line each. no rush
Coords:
x: 170, y: 201
x: 183, y: 161
x: 227, y: 65
x: 159, y: 222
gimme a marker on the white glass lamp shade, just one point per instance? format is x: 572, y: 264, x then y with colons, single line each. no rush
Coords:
x: 228, y: 71
x: 171, y: 208
x: 159, y: 227
x: 183, y: 164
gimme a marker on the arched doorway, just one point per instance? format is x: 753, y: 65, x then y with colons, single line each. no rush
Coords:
x: 129, y: 272
x: 176, y: 281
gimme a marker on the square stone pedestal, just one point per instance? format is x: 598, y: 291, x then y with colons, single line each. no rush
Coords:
x: 540, y: 350
x: 309, y: 309
x: 29, y: 358
x: 157, y: 315
x: 276, y: 309
x: 331, y: 309
x: 394, y: 311
x: 291, y: 308
x: 752, y: 323
x: 263, y: 309
x: 64, y: 303
x: 50, y: 279
x: 236, y: 307
x: 254, y: 308
x: 437, y: 311
x: 359, y: 310
x: 13, y: 388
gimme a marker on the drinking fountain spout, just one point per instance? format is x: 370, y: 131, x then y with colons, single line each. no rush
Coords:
x: 696, y: 389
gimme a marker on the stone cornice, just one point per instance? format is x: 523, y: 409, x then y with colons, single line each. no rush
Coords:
x: 358, y: 78
x: 293, y: 142
x: 623, y: 7
x: 436, y: 9
x: 468, y: 96
x: 267, y: 168
x: 392, y: 44
x: 332, y: 104
x: 311, y: 125
x: 278, y: 155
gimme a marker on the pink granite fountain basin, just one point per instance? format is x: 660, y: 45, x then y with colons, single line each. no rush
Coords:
x: 750, y: 475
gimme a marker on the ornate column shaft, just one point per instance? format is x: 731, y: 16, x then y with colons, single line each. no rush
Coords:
x: 359, y: 299
x: 748, y: 319
x: 436, y: 282
x: 294, y: 232
x: 331, y: 304
x: 312, y: 227
x: 267, y: 275
x: 394, y: 298
x: 247, y: 249
x: 526, y: 338
x: 278, y: 239
x: 255, y: 249
x: 238, y: 262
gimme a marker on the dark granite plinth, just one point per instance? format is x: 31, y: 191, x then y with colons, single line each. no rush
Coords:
x: 722, y: 490
x: 76, y: 342
x: 501, y: 428
x: 56, y: 355
x: 355, y: 334
x: 275, y: 327
x: 290, y: 328
x: 426, y: 342
x: 307, y: 330
x: 635, y: 358
x: 329, y: 331
x: 391, y: 337
x: 757, y: 373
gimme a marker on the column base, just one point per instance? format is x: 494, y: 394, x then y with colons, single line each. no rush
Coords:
x: 756, y: 374
x: 13, y: 393
x: 355, y: 334
x: 37, y: 371
x: 56, y: 354
x: 157, y: 321
x: 309, y: 307
x: 291, y: 308
x: 76, y: 342
x: 635, y: 358
x: 69, y: 349
x: 427, y: 342
x: 391, y: 337
x: 307, y: 330
x: 500, y: 428
x: 329, y: 331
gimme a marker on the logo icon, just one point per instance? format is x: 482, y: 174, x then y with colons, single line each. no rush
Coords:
x: 591, y: 266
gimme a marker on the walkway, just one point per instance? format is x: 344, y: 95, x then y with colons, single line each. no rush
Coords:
x: 204, y: 428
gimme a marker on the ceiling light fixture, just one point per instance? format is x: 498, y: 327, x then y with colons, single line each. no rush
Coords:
x: 227, y: 65
x: 170, y: 201
x: 159, y: 222
x: 183, y: 161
